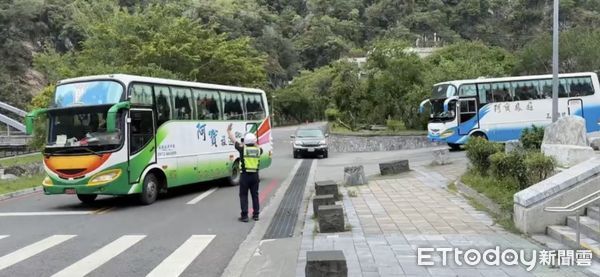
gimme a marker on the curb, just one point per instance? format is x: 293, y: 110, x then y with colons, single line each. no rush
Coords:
x: 482, y: 199
x: 18, y: 193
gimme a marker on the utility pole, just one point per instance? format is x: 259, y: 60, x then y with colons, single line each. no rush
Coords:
x: 555, y: 62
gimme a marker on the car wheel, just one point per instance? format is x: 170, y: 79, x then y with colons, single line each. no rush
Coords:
x: 87, y: 198
x: 149, y: 190
x: 325, y: 154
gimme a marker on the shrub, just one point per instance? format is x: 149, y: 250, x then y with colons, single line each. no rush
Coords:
x: 531, y: 138
x: 539, y: 167
x: 332, y: 114
x: 394, y: 125
x: 478, y: 152
x: 509, y: 166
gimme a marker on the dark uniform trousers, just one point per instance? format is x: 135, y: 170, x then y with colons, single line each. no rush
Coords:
x: 249, y: 181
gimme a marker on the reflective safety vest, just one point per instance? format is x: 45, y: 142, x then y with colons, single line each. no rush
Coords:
x: 251, y: 158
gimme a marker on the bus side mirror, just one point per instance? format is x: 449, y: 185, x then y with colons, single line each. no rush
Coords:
x: 111, y: 116
x: 30, y: 120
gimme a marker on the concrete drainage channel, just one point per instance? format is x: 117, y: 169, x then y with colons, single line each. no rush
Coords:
x: 286, y: 216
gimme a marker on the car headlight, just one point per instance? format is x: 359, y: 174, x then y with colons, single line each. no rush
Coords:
x: 447, y: 133
x: 47, y: 182
x: 323, y: 142
x: 104, y: 177
x: 298, y: 143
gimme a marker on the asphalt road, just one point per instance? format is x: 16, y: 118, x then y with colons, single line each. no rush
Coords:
x: 116, y: 237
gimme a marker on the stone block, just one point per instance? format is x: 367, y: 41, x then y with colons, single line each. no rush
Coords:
x: 568, y: 155
x: 441, y: 156
x: 322, y: 200
x: 394, y: 167
x: 355, y: 175
x: 327, y: 187
x: 512, y: 145
x: 331, y: 218
x: 568, y: 130
x: 326, y: 264
x: 595, y: 143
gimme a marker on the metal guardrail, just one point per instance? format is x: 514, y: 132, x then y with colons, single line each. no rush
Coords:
x: 576, y: 207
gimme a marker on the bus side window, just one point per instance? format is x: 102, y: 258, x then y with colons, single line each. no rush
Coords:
x: 232, y: 106
x: 254, y: 106
x: 547, y: 88
x: 501, y: 92
x: 525, y: 90
x: 485, y: 94
x: 207, y: 105
x: 182, y: 100
x: 163, y: 104
x: 580, y: 86
x: 141, y: 94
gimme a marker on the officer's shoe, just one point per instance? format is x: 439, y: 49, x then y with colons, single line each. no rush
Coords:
x: 255, y: 217
x: 243, y: 219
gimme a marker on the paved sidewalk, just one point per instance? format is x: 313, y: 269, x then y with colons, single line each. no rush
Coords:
x: 391, y: 218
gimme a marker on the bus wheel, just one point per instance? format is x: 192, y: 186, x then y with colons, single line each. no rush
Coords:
x: 236, y: 171
x: 87, y: 198
x: 479, y: 135
x: 454, y: 146
x: 149, y: 190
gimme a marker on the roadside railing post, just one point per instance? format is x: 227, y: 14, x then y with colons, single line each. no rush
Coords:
x: 578, y: 230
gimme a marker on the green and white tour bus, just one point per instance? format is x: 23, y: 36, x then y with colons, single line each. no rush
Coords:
x: 122, y: 134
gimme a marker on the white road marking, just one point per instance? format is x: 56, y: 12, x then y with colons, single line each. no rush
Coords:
x: 32, y: 250
x: 202, y: 196
x: 3, y: 236
x: 46, y: 213
x: 100, y: 257
x: 182, y: 257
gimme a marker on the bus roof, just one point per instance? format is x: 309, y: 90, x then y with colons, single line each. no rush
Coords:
x: 458, y: 83
x: 127, y: 79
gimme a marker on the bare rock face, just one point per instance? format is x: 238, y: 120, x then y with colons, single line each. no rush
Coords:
x: 566, y: 141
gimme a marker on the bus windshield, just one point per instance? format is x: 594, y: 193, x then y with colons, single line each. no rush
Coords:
x: 437, y: 110
x: 88, y: 93
x: 443, y: 91
x: 82, y: 128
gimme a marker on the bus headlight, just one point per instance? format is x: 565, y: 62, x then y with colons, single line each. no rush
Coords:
x: 447, y: 133
x: 104, y: 177
x: 47, y: 182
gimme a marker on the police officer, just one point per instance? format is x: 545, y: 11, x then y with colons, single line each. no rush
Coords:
x: 250, y: 162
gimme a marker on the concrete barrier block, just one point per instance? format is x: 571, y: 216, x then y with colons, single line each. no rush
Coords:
x: 331, y: 218
x: 440, y: 157
x: 395, y: 167
x: 325, y: 264
x: 355, y: 176
x: 322, y: 200
x: 327, y: 187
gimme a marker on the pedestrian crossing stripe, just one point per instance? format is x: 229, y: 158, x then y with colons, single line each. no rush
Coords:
x: 173, y: 265
x: 98, y: 258
x: 182, y: 257
x: 32, y: 250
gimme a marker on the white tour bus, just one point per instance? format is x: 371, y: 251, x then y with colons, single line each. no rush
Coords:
x: 498, y: 109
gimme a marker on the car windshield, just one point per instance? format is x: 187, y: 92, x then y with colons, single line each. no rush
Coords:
x: 81, y: 127
x: 307, y: 133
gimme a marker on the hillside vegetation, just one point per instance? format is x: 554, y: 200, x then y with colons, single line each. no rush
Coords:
x: 297, y: 50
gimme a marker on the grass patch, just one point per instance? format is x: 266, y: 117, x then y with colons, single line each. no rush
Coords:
x: 21, y: 183
x: 452, y: 187
x: 340, y: 130
x: 499, y: 191
x: 21, y: 160
x: 352, y: 193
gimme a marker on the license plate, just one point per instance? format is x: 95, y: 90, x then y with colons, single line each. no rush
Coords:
x: 70, y: 191
x: 311, y: 150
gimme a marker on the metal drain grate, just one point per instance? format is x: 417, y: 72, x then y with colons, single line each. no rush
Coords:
x: 284, y: 221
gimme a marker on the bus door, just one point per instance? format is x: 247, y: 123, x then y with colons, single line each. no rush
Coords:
x: 575, y: 106
x: 468, y: 119
x: 142, y: 145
